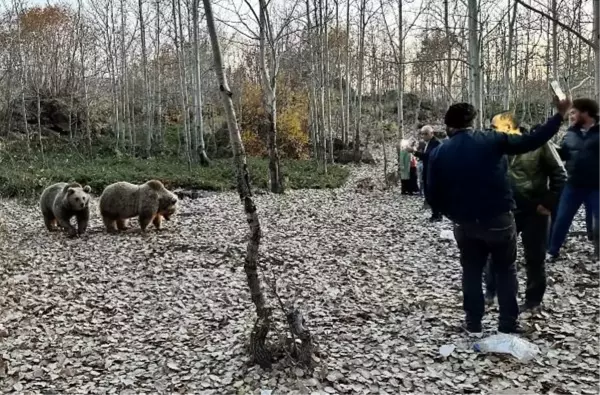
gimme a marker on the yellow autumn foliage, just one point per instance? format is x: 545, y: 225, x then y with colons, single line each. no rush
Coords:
x: 292, y: 122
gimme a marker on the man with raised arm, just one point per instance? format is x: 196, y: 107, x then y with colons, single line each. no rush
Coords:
x: 468, y: 183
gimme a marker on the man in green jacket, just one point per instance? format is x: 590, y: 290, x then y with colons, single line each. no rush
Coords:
x: 537, y: 179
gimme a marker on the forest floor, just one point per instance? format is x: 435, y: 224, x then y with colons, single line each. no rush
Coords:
x: 170, y: 312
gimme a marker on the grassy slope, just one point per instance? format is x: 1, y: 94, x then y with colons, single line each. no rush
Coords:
x: 25, y: 174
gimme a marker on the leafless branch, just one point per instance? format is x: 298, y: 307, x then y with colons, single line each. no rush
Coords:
x: 559, y: 23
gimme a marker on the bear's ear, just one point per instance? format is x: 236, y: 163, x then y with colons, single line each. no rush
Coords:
x: 70, y: 191
x: 87, y: 189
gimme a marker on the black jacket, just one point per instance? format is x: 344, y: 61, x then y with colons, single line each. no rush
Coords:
x: 468, y: 178
x: 580, y: 151
x: 424, y: 156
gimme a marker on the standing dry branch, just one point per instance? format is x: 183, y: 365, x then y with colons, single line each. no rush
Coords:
x: 258, y: 338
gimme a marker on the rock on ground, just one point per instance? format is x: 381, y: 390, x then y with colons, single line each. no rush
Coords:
x: 170, y: 312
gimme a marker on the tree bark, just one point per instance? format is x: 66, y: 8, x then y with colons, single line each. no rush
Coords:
x: 182, y: 81
x: 596, y: 8
x: 361, y: 66
x: 198, y: 119
x: 261, y: 328
x: 449, y: 50
x: 146, y: 110
x: 268, y: 75
x: 508, y: 56
x: 346, y: 135
x: 474, y: 60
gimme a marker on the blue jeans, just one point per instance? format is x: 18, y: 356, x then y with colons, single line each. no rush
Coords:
x: 571, y: 200
x: 590, y: 225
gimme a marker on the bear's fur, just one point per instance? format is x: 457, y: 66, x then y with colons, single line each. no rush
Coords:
x: 61, y: 201
x: 150, y: 202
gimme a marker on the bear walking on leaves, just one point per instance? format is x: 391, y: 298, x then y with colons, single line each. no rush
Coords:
x: 62, y: 201
x: 150, y: 202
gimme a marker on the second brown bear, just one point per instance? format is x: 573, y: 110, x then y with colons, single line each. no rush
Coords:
x: 150, y: 202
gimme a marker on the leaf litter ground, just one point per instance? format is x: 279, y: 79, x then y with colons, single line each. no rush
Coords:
x: 170, y: 312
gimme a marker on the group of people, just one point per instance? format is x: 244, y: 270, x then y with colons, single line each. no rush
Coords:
x: 499, y: 183
x: 411, y: 170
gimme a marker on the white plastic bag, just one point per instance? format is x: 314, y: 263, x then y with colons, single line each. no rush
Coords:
x: 447, y: 235
x: 504, y: 343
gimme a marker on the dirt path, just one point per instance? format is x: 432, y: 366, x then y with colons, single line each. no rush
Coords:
x: 170, y: 312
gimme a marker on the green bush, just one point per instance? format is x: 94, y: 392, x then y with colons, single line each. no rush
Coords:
x: 27, y: 174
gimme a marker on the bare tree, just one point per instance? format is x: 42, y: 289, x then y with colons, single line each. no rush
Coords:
x: 474, y: 60
x: 146, y: 90
x: 198, y: 119
x: 269, y: 70
x: 360, y: 82
x: 262, y: 325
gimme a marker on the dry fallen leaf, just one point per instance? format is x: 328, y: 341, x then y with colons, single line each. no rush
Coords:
x: 379, y: 290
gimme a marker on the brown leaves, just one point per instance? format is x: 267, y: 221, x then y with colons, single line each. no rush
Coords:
x: 171, y: 313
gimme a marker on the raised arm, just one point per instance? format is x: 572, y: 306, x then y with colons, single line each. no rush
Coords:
x: 514, y: 144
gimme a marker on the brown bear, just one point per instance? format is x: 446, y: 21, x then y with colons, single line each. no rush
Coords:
x: 150, y: 202
x: 61, y: 201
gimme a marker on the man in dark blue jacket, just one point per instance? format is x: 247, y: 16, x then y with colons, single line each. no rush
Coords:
x: 468, y: 183
x: 580, y: 151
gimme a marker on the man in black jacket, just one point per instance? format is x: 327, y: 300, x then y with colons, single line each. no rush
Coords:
x: 468, y: 183
x: 580, y: 151
x: 431, y: 142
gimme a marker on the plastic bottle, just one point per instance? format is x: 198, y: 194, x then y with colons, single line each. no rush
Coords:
x: 504, y: 343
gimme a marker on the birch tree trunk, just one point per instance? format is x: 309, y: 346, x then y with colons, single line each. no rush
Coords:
x: 182, y: 82
x: 361, y: 66
x: 327, y: 80
x: 474, y: 62
x: 198, y: 119
x: 346, y: 134
x: 261, y: 327
x: 126, y: 110
x: 400, y: 62
x: 269, y: 85
x: 321, y: 69
x: 508, y: 56
x: 146, y: 107
x: 554, y: 41
x: 596, y: 39
x: 22, y: 79
x: 339, y: 71
x: 448, y: 54
x: 158, y: 82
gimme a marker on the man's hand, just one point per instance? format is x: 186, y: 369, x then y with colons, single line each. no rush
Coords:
x: 541, y: 210
x: 562, y: 106
x: 410, y: 149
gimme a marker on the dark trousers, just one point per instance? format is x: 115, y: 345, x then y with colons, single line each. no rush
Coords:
x: 414, y: 180
x: 534, y: 229
x: 571, y: 200
x: 434, y: 214
x: 498, y: 238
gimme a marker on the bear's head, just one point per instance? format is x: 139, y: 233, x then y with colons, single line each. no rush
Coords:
x: 168, y: 205
x: 77, y: 196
